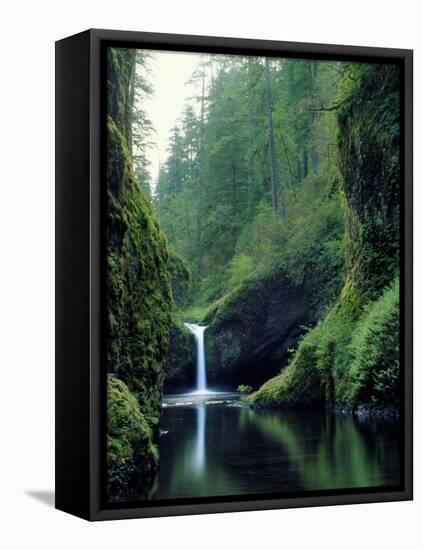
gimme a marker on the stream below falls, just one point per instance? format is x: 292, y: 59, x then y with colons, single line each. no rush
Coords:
x: 212, y: 446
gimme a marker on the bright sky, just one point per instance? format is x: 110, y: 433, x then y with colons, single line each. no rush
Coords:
x: 170, y: 72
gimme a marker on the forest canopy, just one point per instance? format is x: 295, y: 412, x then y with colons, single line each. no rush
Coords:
x: 243, y: 167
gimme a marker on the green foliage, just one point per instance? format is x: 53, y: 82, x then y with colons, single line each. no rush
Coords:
x: 308, y: 244
x: 214, y: 192
x: 180, y: 280
x: 298, y: 385
x: 244, y: 389
x: 374, y: 371
x: 196, y: 313
x: 261, y: 242
x: 241, y: 267
x: 308, y: 247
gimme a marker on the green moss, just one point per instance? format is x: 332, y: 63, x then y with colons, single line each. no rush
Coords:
x: 298, y: 385
x: 334, y: 333
x: 350, y: 301
x: 138, y: 290
x: 205, y: 313
x: 373, y: 372
x: 130, y: 445
x: 139, y: 296
x: 369, y: 157
x: 244, y: 389
x: 195, y: 313
x: 180, y: 360
x: 127, y: 430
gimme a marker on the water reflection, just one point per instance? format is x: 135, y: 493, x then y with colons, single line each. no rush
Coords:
x: 200, y: 440
x: 217, y: 450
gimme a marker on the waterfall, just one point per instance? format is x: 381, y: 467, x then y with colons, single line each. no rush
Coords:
x: 198, y: 332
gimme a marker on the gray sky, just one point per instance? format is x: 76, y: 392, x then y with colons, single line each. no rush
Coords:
x: 170, y: 72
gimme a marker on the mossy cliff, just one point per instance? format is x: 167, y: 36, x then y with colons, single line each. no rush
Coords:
x: 369, y: 133
x: 138, y: 290
x: 180, y: 360
x: 181, y: 352
x: 132, y: 454
x: 351, y: 357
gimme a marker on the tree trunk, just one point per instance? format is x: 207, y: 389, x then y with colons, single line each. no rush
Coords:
x: 200, y: 184
x: 131, y: 107
x: 234, y: 192
x: 250, y: 154
x: 305, y: 162
x: 312, y: 114
x: 272, y: 156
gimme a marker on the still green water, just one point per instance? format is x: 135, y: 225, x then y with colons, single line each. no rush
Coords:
x: 220, y: 449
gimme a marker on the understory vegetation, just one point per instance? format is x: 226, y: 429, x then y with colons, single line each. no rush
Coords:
x: 343, y: 360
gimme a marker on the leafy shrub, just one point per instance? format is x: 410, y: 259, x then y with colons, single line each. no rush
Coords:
x: 244, y: 388
x: 308, y: 245
x: 240, y: 269
x: 374, y: 370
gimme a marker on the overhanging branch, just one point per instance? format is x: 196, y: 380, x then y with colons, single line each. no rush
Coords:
x: 332, y: 107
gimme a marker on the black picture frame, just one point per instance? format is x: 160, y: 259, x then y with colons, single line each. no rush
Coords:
x: 79, y: 244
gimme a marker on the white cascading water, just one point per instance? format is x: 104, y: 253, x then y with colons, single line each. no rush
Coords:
x: 198, y: 332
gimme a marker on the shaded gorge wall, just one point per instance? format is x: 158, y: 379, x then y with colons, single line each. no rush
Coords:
x: 139, y: 298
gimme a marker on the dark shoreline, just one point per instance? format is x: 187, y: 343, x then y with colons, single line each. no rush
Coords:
x: 361, y: 410
x: 365, y: 409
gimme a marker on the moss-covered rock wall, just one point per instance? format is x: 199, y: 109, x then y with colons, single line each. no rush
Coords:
x: 181, y: 360
x: 132, y: 453
x: 139, y: 298
x: 369, y: 147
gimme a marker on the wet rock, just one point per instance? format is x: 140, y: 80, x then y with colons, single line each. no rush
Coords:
x: 180, y: 361
x: 248, y: 340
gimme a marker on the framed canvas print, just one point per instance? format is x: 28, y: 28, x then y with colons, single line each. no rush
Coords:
x: 233, y: 274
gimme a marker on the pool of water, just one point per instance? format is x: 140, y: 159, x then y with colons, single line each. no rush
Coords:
x: 212, y: 447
